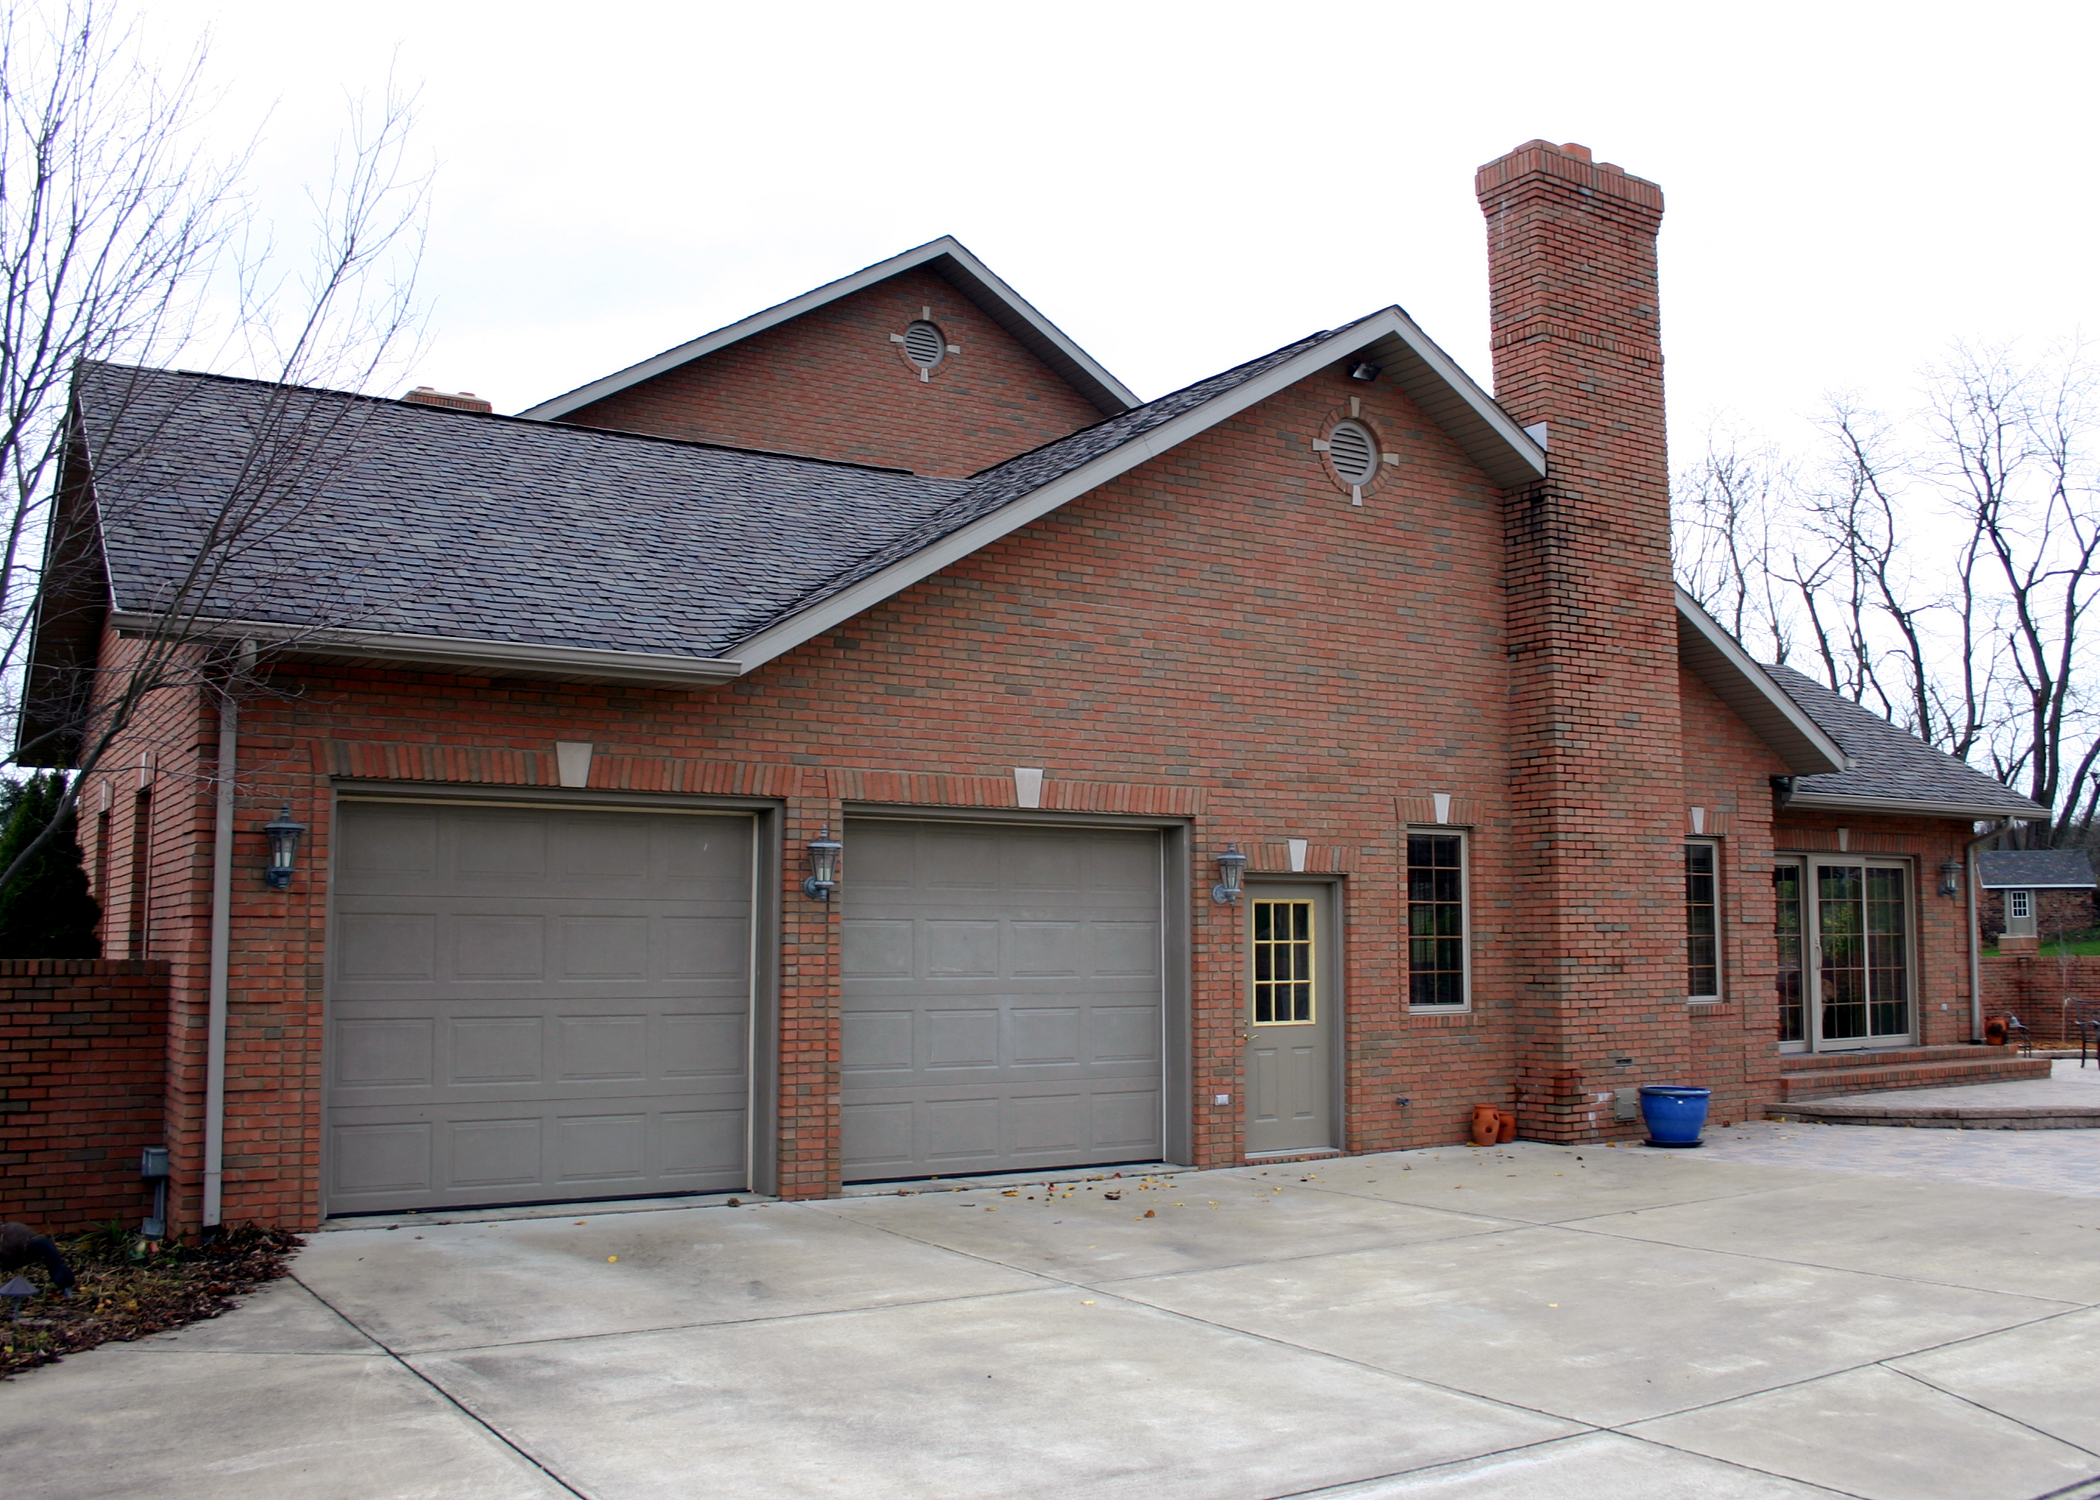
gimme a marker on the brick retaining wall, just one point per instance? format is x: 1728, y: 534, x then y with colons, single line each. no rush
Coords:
x: 83, y: 1057
x: 2033, y: 987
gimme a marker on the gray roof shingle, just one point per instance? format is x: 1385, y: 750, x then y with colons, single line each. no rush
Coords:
x: 1889, y: 764
x: 2031, y: 868
x: 417, y: 520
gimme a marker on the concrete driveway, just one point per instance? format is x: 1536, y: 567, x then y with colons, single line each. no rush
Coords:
x: 1521, y: 1322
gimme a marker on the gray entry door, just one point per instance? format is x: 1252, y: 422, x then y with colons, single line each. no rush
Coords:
x: 1003, y: 1001
x: 532, y: 1004
x: 1291, y: 1021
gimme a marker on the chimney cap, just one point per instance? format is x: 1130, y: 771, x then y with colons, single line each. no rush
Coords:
x: 424, y: 395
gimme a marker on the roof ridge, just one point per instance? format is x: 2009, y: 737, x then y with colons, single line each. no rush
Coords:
x: 530, y: 423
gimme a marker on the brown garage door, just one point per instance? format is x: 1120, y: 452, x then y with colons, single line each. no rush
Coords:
x: 532, y: 1004
x: 1002, y: 998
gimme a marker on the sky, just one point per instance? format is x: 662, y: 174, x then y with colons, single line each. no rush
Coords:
x: 1183, y: 186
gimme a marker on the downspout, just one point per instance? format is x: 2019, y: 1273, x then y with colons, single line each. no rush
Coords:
x: 1976, y: 938
x: 221, y: 960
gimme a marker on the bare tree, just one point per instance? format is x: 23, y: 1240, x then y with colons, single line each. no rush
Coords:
x: 122, y: 243
x: 1940, y: 568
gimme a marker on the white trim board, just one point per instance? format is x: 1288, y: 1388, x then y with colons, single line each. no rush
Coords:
x: 947, y: 258
x: 484, y: 658
x: 1720, y: 662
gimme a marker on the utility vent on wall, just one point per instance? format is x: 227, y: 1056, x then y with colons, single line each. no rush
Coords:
x: 1354, y: 455
x: 923, y: 345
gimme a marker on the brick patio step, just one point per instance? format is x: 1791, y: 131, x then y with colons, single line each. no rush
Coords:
x: 1873, y: 1072
x: 1809, y: 1062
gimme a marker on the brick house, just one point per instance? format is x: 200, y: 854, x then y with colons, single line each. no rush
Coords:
x: 570, y: 704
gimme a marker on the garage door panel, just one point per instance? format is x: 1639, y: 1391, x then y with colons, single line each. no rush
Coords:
x: 497, y: 1049
x: 704, y: 948
x: 962, y: 950
x: 1041, y: 1036
x: 700, y: 1146
x: 392, y: 947
x: 392, y: 1158
x: 566, y: 1017
x: 991, y: 996
x: 1127, y: 950
x: 509, y: 846
x: 875, y: 950
x: 492, y: 1153
x: 1056, y: 863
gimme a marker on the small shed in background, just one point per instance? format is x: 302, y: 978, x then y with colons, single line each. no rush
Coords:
x: 2032, y: 896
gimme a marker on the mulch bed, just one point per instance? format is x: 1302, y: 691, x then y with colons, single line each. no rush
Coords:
x: 128, y: 1290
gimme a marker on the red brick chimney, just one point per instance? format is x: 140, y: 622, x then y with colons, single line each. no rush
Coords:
x: 424, y: 395
x: 1592, y: 636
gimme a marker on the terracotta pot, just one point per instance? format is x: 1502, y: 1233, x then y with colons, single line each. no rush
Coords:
x: 1487, y: 1122
x: 1994, y: 1032
x: 1506, y: 1130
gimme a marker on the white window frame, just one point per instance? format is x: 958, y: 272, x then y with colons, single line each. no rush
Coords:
x: 1720, y: 990
x: 2019, y: 905
x: 1465, y: 919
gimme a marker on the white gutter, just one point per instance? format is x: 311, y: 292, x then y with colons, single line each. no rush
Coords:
x: 483, y: 658
x: 221, y: 955
x: 1840, y: 802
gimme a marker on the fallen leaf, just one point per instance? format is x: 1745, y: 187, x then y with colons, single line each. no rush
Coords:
x: 610, y: 1259
x: 1148, y: 1213
x: 1088, y: 1303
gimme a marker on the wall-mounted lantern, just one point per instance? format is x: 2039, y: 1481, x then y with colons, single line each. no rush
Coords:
x: 284, y: 836
x: 1950, y: 878
x: 823, y: 877
x: 1232, y: 874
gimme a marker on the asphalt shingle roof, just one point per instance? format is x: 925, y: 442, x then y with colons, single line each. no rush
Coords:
x: 2029, y: 868
x: 418, y: 520
x: 1890, y: 763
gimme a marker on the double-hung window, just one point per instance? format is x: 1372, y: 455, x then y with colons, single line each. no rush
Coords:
x: 1702, y: 922
x: 1436, y: 921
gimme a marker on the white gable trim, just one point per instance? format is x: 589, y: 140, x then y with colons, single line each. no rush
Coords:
x: 945, y: 255
x: 1722, y: 664
x: 1522, y: 458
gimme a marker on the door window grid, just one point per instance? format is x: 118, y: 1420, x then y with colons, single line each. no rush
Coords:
x: 2016, y: 905
x: 1702, y: 919
x: 1283, y: 963
x: 1863, y: 965
x: 1787, y: 980
x: 1436, y: 920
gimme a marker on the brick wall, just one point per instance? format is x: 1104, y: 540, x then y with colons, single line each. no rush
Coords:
x: 2042, y: 991
x: 831, y: 384
x: 81, y: 1070
x: 1941, y: 963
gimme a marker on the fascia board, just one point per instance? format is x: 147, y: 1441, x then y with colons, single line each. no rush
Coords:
x: 1763, y: 703
x: 1043, y: 338
x: 1843, y: 802
x: 981, y: 533
x: 1107, y: 386
x: 2035, y: 885
x: 574, y: 663
x: 1515, y: 443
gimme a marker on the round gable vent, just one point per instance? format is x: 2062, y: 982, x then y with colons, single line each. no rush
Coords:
x: 924, y: 345
x: 1353, y: 452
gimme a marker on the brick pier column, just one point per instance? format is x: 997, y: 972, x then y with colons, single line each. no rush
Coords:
x: 1597, y: 775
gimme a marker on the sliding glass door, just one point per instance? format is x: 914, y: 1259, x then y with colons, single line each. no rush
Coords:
x: 1843, y: 937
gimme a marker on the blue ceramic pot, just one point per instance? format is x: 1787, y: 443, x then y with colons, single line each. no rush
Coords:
x: 1674, y: 1116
